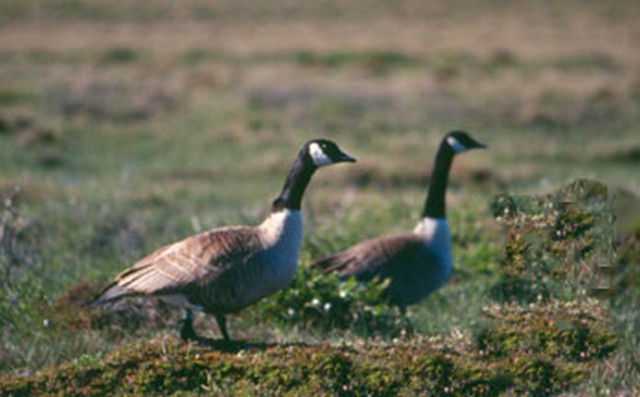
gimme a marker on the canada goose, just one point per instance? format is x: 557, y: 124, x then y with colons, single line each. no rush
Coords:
x: 417, y: 263
x: 224, y: 270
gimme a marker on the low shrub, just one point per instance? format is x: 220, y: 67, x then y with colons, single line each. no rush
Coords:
x: 323, y: 302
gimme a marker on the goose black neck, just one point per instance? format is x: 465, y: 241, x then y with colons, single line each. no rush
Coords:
x: 435, y: 206
x: 295, y: 185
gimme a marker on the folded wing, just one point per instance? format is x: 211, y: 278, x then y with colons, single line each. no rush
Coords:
x: 380, y: 256
x: 193, y: 262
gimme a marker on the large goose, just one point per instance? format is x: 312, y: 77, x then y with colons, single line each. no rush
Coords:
x: 416, y: 263
x: 224, y: 270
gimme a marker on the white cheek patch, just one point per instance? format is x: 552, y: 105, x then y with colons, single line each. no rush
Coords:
x: 318, y: 155
x: 456, y: 145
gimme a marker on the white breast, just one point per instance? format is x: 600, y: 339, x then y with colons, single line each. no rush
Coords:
x: 436, y: 233
x: 281, y: 233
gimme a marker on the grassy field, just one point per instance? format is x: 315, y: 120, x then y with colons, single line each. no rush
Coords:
x: 127, y: 125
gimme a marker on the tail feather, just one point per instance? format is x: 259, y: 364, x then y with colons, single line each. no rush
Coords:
x: 329, y: 263
x: 112, y: 293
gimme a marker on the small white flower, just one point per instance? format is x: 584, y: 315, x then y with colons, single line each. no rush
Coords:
x: 327, y: 307
x: 315, y: 302
x: 291, y: 312
x: 46, y: 323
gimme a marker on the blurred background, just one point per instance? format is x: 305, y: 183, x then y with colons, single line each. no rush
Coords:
x: 125, y: 125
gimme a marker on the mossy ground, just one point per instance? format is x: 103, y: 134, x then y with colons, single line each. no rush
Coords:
x: 437, y: 366
x: 527, y: 343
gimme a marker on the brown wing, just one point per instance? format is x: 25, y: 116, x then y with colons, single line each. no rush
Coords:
x: 196, y: 260
x: 375, y: 257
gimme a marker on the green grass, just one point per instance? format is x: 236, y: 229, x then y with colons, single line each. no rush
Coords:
x: 517, y: 342
x: 130, y: 126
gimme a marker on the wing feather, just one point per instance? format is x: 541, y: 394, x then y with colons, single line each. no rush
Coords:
x: 374, y: 257
x: 195, y: 261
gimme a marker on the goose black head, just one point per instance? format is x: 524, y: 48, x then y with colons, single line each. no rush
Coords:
x: 323, y: 152
x: 313, y: 155
x: 460, y: 141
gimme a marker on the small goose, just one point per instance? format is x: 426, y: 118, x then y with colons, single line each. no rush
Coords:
x: 224, y: 270
x: 418, y: 263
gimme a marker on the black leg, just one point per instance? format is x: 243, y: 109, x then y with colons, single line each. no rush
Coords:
x: 222, y: 324
x: 187, y: 332
x: 407, y: 329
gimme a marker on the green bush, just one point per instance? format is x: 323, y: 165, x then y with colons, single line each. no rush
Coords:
x: 556, y: 244
x: 322, y: 302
